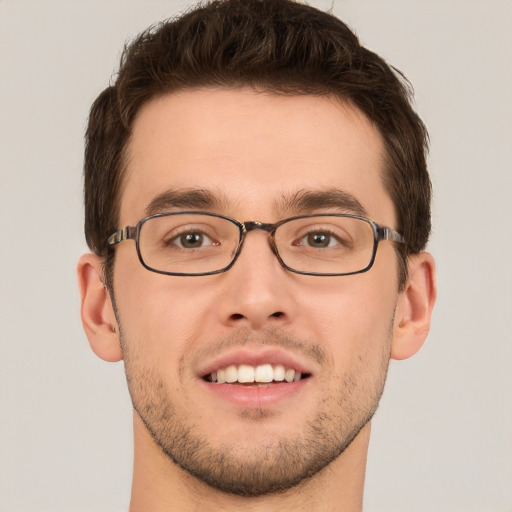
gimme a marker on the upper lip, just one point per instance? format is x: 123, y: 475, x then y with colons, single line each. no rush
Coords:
x: 256, y: 357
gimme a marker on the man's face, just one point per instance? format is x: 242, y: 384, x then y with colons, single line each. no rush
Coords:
x: 254, y: 154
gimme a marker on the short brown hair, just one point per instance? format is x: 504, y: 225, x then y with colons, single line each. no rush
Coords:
x: 273, y: 45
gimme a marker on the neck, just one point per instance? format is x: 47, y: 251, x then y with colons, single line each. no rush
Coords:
x: 160, y: 485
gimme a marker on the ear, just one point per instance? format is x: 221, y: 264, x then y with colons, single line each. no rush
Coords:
x: 414, y: 308
x: 97, y: 313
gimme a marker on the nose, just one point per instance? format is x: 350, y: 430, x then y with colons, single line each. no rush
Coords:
x: 257, y: 290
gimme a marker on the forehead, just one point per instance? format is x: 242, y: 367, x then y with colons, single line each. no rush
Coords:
x: 252, y: 151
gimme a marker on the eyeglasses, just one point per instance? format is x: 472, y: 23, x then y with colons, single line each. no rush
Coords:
x: 203, y: 243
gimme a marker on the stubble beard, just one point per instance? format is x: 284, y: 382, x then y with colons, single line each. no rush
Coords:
x: 280, y: 463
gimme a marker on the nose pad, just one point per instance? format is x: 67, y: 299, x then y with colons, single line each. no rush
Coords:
x: 273, y: 248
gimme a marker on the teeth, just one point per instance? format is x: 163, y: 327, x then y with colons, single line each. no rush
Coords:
x: 246, y: 374
x: 289, y: 375
x: 231, y: 374
x: 279, y: 372
x: 264, y: 373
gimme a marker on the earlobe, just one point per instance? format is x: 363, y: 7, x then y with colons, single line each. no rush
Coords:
x: 414, y: 309
x: 96, y: 310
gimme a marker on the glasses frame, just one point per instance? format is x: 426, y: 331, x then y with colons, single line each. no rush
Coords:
x: 133, y: 233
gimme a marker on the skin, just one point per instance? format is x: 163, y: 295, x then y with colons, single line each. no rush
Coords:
x: 252, y: 152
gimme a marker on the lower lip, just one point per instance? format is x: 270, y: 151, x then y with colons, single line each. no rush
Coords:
x: 256, y: 397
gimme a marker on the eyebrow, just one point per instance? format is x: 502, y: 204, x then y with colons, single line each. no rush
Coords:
x: 190, y: 198
x: 303, y: 201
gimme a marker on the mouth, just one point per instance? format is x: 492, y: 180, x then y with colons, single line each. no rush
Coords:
x: 257, y: 377
x: 261, y: 375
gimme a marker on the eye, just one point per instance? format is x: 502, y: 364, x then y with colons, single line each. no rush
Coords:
x: 320, y: 239
x: 191, y: 240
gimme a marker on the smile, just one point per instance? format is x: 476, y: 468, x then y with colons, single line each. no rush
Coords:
x: 261, y: 374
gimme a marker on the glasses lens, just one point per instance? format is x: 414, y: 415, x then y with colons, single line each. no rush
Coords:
x: 188, y: 243
x: 326, y: 244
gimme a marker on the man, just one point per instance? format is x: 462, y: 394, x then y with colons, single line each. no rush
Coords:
x: 257, y: 205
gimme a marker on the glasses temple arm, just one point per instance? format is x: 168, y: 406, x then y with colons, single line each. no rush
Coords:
x: 392, y: 235
x: 127, y: 233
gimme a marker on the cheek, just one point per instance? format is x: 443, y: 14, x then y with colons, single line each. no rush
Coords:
x: 162, y: 311
x: 352, y: 317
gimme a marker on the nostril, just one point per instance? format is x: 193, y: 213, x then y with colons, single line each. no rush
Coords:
x: 239, y: 316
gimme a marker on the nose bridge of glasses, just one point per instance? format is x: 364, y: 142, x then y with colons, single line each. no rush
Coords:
x: 254, y: 225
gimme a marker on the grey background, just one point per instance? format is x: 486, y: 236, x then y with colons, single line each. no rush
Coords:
x: 442, y: 438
